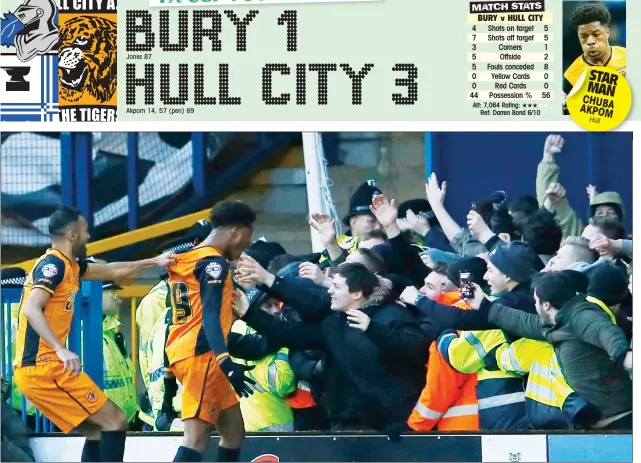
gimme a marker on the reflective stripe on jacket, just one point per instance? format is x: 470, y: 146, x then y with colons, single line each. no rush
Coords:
x: 267, y: 409
x: 448, y: 400
x: 550, y: 402
x: 501, y: 397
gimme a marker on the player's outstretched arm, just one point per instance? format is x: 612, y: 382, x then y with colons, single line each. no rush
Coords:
x: 117, y: 271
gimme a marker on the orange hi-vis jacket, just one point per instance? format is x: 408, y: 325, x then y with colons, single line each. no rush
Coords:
x: 448, y: 401
x: 302, y: 397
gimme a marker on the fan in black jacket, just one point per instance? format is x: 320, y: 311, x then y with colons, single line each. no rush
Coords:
x: 376, y: 351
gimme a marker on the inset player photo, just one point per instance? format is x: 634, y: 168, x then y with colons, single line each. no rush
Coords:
x: 594, y: 34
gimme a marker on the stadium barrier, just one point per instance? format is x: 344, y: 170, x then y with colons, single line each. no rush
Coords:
x: 364, y: 447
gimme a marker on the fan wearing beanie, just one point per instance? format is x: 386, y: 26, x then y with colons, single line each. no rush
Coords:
x: 609, y: 285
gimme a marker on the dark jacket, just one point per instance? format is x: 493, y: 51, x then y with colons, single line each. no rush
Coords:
x: 312, y: 302
x: 251, y: 346
x: 437, y: 317
x: 435, y: 238
x: 589, y: 347
x: 414, y: 268
x: 371, y: 378
x: 309, y: 365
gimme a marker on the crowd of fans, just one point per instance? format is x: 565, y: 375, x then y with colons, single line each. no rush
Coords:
x: 518, y: 319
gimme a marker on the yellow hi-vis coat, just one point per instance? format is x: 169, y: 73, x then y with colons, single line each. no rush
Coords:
x: 267, y: 409
x: 550, y: 402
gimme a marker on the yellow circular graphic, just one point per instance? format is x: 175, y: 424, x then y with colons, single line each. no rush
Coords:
x: 600, y: 100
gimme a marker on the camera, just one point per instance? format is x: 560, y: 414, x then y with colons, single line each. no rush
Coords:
x: 467, y: 290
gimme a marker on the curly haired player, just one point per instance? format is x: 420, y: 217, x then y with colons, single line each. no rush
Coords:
x: 592, y: 23
x: 201, y: 291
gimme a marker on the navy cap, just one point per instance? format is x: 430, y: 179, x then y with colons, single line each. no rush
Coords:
x: 517, y: 260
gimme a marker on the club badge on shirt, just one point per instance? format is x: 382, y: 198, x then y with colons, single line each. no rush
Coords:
x: 214, y: 270
x: 49, y: 270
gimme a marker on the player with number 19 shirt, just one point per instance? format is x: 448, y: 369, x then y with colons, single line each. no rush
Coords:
x: 200, y: 291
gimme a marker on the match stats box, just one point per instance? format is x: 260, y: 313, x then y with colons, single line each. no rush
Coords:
x: 313, y: 60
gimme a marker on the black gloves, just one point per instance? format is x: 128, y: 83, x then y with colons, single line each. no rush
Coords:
x: 236, y: 376
x: 165, y: 418
x: 167, y: 412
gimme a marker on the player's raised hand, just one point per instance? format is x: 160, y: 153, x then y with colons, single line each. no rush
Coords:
x: 553, y: 144
x: 70, y: 361
x: 385, y: 211
x: 235, y: 373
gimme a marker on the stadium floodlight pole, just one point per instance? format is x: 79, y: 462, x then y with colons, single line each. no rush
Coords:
x: 312, y: 154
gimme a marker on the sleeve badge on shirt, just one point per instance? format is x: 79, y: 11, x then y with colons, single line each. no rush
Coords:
x: 49, y: 270
x: 91, y: 396
x: 214, y: 270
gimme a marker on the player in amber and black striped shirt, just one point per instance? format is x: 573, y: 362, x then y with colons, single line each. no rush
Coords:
x: 592, y: 23
x: 201, y: 291
x: 47, y: 373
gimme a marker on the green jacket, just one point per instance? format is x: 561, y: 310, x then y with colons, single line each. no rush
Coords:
x: 118, y: 369
x: 568, y: 220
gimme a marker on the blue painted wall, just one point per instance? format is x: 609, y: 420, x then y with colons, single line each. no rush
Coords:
x: 595, y: 448
x: 475, y: 164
